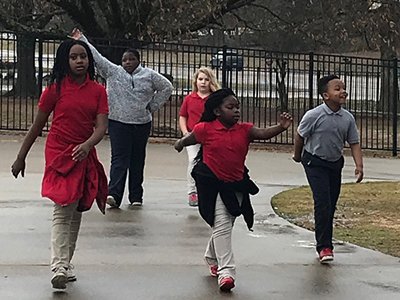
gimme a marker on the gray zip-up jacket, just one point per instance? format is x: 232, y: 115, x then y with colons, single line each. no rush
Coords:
x: 131, y: 97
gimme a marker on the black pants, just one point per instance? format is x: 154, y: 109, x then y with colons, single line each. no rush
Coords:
x: 325, y: 179
x: 128, y: 152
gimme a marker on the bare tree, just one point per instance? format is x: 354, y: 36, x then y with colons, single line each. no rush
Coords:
x: 25, y: 18
x: 146, y: 19
x: 332, y: 26
x: 111, y: 19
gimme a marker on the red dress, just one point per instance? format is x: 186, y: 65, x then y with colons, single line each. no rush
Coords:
x: 74, y: 113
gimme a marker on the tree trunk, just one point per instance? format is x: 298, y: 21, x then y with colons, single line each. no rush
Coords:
x: 281, y: 85
x: 26, y: 80
x: 386, y: 99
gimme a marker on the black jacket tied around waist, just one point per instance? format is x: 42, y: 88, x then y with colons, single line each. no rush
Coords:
x: 208, y: 186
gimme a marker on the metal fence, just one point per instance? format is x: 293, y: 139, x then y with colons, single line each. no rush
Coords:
x: 266, y: 83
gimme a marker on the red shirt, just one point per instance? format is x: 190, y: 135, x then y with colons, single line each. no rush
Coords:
x: 75, y: 109
x: 74, y: 114
x: 224, y: 149
x: 192, y: 108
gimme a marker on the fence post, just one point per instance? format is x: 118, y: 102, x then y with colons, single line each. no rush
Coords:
x: 311, y: 81
x: 395, y: 100
x: 224, y: 77
x: 40, y: 68
x: 40, y: 72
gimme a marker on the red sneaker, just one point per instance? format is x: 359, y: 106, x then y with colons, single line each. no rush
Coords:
x: 214, y: 270
x: 193, y: 201
x: 325, y: 255
x: 226, y: 284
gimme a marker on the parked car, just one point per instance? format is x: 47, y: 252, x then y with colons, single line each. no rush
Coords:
x: 233, y: 60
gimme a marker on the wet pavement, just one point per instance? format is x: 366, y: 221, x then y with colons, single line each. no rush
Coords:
x: 156, y: 252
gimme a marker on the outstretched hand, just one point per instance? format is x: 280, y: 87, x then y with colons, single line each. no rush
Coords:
x: 18, y: 167
x: 178, y: 146
x: 285, y: 120
x: 76, y: 34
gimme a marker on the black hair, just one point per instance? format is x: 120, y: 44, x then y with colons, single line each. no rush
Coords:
x: 323, y: 83
x: 61, y: 64
x: 134, y: 52
x: 213, y: 101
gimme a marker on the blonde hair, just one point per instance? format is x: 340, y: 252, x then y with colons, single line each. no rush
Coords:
x: 214, y: 84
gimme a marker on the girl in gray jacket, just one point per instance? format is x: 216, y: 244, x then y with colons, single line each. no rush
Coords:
x: 134, y: 93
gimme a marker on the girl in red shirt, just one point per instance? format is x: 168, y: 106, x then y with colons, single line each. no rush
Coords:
x: 222, y: 180
x: 203, y: 84
x: 73, y: 176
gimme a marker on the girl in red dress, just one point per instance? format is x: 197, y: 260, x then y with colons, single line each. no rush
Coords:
x: 73, y: 176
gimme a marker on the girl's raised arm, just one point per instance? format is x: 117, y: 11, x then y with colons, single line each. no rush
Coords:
x: 104, y: 66
x: 267, y: 133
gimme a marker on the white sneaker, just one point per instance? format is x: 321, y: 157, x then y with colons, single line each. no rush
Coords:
x: 136, y: 203
x: 60, y: 279
x: 111, y: 201
x: 70, y: 273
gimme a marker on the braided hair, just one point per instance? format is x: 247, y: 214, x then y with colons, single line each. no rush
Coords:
x: 61, y: 66
x: 213, y: 101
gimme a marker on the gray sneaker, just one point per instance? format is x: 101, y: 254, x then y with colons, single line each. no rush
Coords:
x: 70, y: 273
x: 60, y: 279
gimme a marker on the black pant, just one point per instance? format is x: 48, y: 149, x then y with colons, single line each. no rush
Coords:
x: 325, y: 180
x: 128, y: 152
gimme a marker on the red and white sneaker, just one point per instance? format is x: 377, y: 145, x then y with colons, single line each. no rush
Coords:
x: 226, y: 284
x: 213, y: 270
x: 325, y: 255
x: 193, y: 201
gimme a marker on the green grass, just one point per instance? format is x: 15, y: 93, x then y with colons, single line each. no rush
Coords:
x: 368, y: 214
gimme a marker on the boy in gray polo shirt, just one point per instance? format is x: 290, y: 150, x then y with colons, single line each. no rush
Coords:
x: 323, y: 132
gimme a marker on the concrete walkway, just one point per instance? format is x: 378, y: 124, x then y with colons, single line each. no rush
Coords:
x: 156, y: 252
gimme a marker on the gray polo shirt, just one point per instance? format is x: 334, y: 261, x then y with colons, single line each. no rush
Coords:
x: 325, y: 132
